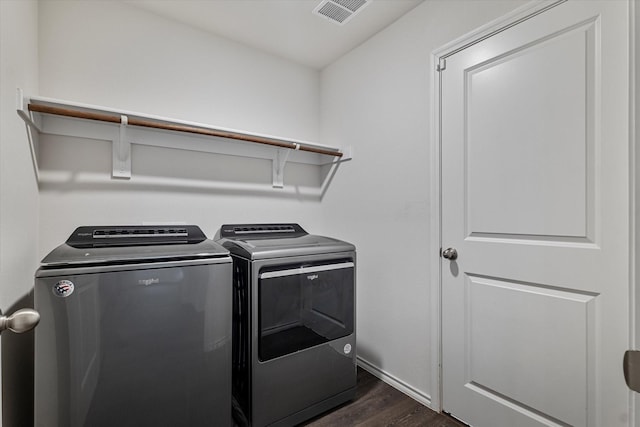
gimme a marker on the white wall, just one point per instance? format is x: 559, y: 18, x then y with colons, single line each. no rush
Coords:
x: 113, y: 54
x: 377, y: 98
x: 18, y: 200
x: 18, y: 187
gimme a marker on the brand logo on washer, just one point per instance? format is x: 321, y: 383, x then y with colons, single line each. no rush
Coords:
x: 63, y: 288
x: 347, y: 348
x: 148, y: 282
x: 312, y: 276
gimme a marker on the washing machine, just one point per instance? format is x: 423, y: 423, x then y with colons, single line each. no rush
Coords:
x: 135, y: 329
x: 294, y: 339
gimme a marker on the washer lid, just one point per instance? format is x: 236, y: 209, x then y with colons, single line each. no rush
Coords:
x: 261, y: 241
x: 87, y: 246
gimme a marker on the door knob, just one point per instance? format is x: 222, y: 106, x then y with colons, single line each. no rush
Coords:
x: 450, y: 254
x: 21, y: 321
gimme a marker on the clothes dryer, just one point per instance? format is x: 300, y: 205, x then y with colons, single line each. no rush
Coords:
x: 294, y: 339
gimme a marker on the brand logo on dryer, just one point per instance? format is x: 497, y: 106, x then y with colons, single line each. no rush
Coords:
x: 63, y: 288
x: 312, y: 276
x: 148, y: 282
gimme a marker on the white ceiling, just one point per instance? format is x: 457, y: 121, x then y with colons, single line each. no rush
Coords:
x: 286, y: 28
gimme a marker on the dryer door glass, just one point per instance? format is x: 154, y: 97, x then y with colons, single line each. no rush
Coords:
x: 304, y: 305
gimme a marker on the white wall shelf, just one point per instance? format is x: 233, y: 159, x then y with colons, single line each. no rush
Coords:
x: 124, y: 128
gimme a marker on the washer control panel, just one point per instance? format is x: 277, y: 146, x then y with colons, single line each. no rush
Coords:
x: 133, y: 235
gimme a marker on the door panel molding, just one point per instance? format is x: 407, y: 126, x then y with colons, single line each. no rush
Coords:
x: 558, y: 347
x: 572, y: 202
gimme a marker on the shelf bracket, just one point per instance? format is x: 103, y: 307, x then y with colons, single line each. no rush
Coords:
x: 122, y: 152
x: 278, y: 163
x: 23, y: 112
x: 34, y: 127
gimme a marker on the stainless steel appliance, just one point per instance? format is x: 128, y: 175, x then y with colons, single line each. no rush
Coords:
x: 135, y: 329
x: 294, y: 340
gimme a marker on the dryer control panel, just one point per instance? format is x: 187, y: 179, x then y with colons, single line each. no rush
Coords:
x: 257, y: 231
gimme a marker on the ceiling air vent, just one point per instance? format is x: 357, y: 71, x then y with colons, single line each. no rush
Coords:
x: 340, y: 11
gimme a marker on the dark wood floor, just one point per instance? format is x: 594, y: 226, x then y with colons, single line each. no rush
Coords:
x: 378, y: 404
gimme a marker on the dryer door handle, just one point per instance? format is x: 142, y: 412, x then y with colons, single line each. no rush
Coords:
x: 305, y: 270
x: 21, y: 321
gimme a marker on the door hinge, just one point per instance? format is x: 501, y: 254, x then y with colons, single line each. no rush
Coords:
x: 631, y: 368
x: 442, y: 65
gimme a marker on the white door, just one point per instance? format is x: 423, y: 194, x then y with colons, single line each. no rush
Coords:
x: 535, y: 199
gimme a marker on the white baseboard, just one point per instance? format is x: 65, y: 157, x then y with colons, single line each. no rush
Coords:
x: 396, y: 383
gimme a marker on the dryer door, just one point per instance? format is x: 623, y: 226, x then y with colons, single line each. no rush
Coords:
x: 302, y: 306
